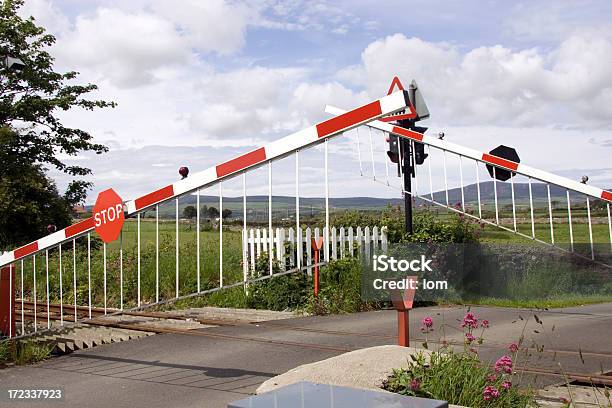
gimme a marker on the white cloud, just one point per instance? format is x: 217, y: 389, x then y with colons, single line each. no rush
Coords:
x: 125, y: 48
x: 213, y: 25
x: 496, y: 84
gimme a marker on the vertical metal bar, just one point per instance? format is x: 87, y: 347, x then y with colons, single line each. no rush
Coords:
x: 590, y: 228
x: 297, y: 201
x: 513, y: 203
x: 11, y: 296
x: 430, y: 176
x: 121, y: 270
x: 531, y: 210
x: 177, y: 247
x: 609, y: 227
x: 47, y: 285
x: 245, y: 241
x: 61, y: 289
x: 461, y: 182
x: 445, y: 178
x: 478, y: 189
x: 89, y: 271
x: 495, y: 194
x: 384, y: 160
x: 74, y: 285
x: 138, y: 258
x: 156, y: 253
x: 326, y: 252
x: 220, y: 236
x: 400, y: 148
x: 22, y: 303
x: 569, y: 218
x: 372, y: 153
x: 358, y: 155
x: 550, y: 215
x: 104, y: 271
x: 416, y: 179
x: 270, y: 233
x: 34, y: 279
x: 198, y: 237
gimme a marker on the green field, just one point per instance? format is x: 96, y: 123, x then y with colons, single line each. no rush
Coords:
x: 209, y: 266
x: 232, y: 257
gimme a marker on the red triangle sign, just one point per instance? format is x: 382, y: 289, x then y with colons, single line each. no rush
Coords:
x: 394, y: 83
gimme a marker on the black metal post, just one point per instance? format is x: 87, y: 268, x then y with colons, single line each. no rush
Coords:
x: 407, y: 169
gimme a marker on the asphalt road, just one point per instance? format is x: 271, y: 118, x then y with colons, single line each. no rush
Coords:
x: 179, y: 370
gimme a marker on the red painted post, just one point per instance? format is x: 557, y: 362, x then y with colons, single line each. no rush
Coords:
x: 316, y: 246
x: 403, y: 328
x: 403, y: 303
x: 7, y: 300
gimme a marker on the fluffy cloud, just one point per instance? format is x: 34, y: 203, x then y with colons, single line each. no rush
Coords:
x: 496, y: 84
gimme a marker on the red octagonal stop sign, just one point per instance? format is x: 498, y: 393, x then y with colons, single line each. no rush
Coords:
x: 108, y: 215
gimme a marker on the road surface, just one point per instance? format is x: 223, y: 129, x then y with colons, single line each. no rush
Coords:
x: 220, y: 364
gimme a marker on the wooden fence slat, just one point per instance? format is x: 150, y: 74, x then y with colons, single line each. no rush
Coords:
x: 351, y: 240
x: 341, y: 242
x: 308, y: 249
x: 367, y: 243
x: 375, y: 238
x: 334, y: 243
x: 291, y: 248
x: 252, y: 249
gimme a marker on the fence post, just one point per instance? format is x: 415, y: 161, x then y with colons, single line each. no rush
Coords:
x: 367, y: 242
x: 291, y: 248
x: 299, y: 239
x: 280, y: 240
x: 308, y: 250
x: 7, y: 300
x: 383, y: 239
x: 375, y: 238
x: 264, y: 240
x: 351, y: 240
x: 334, y: 243
x: 252, y: 248
x: 342, y: 242
x: 258, y: 242
x: 359, y: 240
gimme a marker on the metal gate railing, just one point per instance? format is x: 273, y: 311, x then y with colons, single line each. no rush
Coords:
x: 78, y: 239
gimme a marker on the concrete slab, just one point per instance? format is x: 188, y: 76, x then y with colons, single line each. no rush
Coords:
x: 365, y: 368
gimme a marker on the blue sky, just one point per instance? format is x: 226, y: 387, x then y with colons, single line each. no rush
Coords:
x: 200, y: 81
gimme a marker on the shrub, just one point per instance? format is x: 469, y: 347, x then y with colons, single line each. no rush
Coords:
x: 461, y: 378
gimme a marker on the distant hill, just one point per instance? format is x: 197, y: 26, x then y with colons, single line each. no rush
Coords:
x: 258, y: 203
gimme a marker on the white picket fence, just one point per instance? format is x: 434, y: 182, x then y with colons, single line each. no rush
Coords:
x: 289, y: 246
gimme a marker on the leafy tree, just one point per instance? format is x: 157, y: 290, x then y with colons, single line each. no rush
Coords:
x: 226, y: 213
x: 190, y: 212
x: 212, y: 212
x: 32, y: 135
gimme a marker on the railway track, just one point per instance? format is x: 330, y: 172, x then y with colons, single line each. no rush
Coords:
x: 98, y: 315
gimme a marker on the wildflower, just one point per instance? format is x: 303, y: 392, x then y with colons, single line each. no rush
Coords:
x: 470, y: 321
x: 504, y: 365
x: 490, y: 392
x: 485, y: 324
x: 415, y: 384
x: 427, y: 322
x: 469, y: 338
x: 506, y: 385
x: 492, y: 378
x: 513, y: 348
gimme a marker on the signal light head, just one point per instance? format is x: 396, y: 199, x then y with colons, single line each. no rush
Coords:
x: 184, y: 172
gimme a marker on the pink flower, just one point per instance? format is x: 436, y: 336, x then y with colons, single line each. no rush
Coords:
x: 427, y: 322
x: 490, y: 392
x: 506, y: 385
x: 485, y: 324
x: 504, y: 365
x: 492, y: 378
x: 513, y: 348
x: 469, y: 337
x: 470, y: 321
x: 415, y: 384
